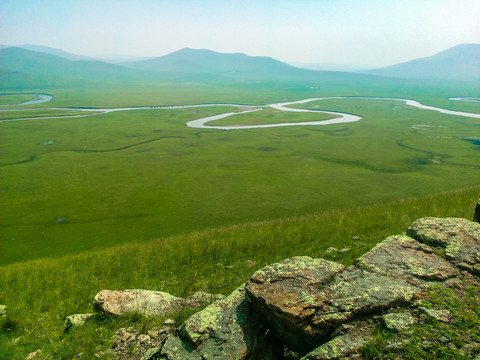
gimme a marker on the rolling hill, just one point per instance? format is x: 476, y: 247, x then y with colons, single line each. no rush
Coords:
x: 208, y: 61
x: 461, y: 62
x: 25, y: 69
x: 58, y: 52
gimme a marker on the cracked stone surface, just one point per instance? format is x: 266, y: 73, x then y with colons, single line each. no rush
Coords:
x: 288, y: 293
x: 400, y: 322
x: 459, y: 237
x: 304, y: 299
x: 227, y: 329
x: 403, y: 257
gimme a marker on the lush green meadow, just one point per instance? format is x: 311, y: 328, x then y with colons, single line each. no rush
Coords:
x: 78, y: 184
x: 15, y: 99
x: 271, y: 116
x: 41, y: 293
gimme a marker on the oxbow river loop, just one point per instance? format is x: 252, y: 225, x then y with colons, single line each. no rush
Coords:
x: 202, y: 123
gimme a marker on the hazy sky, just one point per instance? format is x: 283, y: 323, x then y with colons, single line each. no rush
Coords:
x: 368, y: 33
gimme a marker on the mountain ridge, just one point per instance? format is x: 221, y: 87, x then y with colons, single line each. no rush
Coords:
x: 23, y: 69
x: 225, y: 64
x: 460, y: 62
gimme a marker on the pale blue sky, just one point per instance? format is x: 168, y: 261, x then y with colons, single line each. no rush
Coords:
x: 368, y: 33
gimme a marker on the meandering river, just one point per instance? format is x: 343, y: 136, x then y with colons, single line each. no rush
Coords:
x: 202, y: 122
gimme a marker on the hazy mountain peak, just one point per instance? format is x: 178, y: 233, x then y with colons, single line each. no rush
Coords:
x: 461, y: 62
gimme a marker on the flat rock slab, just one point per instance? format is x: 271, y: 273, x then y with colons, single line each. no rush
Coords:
x: 357, y: 291
x: 121, y: 302
x: 459, y: 237
x: 158, y: 303
x: 288, y: 293
x: 442, y: 315
x: 403, y: 257
x: 227, y: 329
x: 337, y: 348
x: 400, y: 322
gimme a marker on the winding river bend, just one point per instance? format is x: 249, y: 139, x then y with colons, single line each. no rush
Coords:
x: 202, y: 122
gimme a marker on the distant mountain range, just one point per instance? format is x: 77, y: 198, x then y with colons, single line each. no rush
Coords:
x: 461, y: 62
x: 32, y: 66
x: 211, y: 62
x: 25, y: 69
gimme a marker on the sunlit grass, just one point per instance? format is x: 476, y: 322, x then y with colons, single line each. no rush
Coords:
x: 41, y: 293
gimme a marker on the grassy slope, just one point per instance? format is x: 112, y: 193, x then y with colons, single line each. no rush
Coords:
x: 41, y: 293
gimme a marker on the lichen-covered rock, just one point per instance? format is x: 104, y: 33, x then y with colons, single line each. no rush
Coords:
x: 357, y: 291
x: 442, y: 315
x: 201, y: 298
x: 121, y: 302
x: 76, y: 320
x: 459, y: 237
x: 288, y: 294
x: 400, y: 322
x: 147, y: 302
x: 337, y: 348
x: 304, y: 299
x: 227, y: 329
x: 176, y: 349
x: 403, y: 257
x: 476, y: 215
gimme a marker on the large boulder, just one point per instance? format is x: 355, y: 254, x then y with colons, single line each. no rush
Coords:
x: 305, y: 299
x: 288, y: 295
x: 459, y: 237
x: 227, y: 329
x: 147, y: 302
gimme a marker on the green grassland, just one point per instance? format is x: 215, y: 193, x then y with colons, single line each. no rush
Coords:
x: 41, y: 293
x: 130, y: 176
x: 38, y: 113
x: 135, y: 199
x: 270, y: 116
x: 15, y: 99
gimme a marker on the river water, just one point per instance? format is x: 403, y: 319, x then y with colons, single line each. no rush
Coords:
x: 202, y: 122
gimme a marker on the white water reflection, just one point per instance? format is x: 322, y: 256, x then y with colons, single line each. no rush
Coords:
x: 201, y: 123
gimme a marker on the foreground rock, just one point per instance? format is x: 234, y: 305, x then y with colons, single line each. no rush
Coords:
x: 227, y: 329
x: 150, y: 303
x: 403, y: 257
x: 459, y: 237
x: 305, y: 299
x: 316, y: 308
x: 288, y: 295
